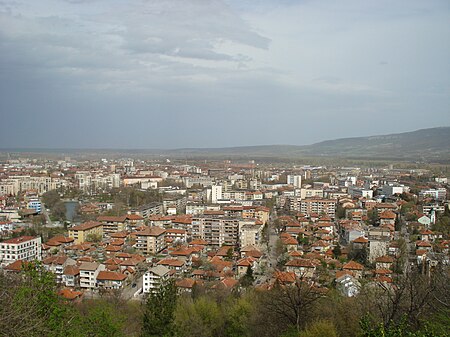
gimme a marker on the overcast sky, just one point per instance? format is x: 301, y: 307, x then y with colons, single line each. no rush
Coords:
x: 205, y: 73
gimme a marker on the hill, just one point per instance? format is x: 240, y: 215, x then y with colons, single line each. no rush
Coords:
x: 425, y: 144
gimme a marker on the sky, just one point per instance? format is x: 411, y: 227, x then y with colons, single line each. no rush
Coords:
x: 210, y: 73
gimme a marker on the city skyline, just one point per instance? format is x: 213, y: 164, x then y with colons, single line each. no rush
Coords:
x: 189, y: 74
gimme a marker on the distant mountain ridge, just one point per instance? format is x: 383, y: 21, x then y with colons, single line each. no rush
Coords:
x: 431, y: 144
x: 424, y: 144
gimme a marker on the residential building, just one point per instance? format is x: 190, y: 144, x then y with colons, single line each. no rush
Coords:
x: 154, y: 277
x: 110, y: 280
x: 25, y: 248
x: 319, y: 206
x: 216, y: 229
x: 439, y: 194
x: 294, y: 180
x: 85, y: 231
x: 88, y: 274
x: 151, y: 240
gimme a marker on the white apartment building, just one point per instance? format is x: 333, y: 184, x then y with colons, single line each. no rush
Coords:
x: 216, y: 193
x: 391, y: 189
x: 41, y: 184
x: 26, y: 248
x: 294, y: 180
x: 437, y: 194
x: 153, y: 278
x: 250, y: 233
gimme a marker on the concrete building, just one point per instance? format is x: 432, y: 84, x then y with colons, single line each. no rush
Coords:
x: 88, y: 274
x: 250, y: 233
x: 439, y: 194
x: 216, y: 229
x: 153, y: 278
x: 294, y: 180
x: 82, y: 233
x: 27, y: 248
x: 319, y: 206
x: 151, y: 240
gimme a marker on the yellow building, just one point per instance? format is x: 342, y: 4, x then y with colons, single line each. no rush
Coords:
x: 82, y: 232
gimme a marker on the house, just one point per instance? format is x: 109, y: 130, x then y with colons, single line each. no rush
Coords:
x: 185, y: 284
x: 244, y: 264
x: 179, y: 266
x: 387, y: 218
x: 70, y: 295
x: 424, y: 220
x: 110, y: 280
x: 301, y: 267
x: 285, y: 277
x: 348, y: 285
x: 71, y: 276
x: 57, y: 264
x: 384, y: 262
x: 290, y: 242
x: 355, y: 268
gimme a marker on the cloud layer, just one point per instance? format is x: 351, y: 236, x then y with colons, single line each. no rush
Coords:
x: 148, y: 73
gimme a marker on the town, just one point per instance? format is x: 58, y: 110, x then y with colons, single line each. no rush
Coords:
x: 124, y: 227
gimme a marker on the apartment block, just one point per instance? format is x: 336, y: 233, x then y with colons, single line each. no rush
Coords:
x: 81, y: 233
x: 26, y: 248
x: 151, y: 240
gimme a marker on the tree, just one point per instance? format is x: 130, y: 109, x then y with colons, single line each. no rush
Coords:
x: 103, y: 319
x: 412, y: 298
x: 201, y: 318
x: 59, y: 211
x: 50, y: 198
x: 372, y: 217
x: 94, y: 237
x: 237, y: 317
x: 319, y: 328
x: 337, y: 251
x: 340, y: 212
x: 289, y: 305
x: 30, y: 305
x: 159, y: 311
x: 248, y: 279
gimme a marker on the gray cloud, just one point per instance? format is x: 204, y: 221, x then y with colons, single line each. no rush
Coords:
x: 111, y: 73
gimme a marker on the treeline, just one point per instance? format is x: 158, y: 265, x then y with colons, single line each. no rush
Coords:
x: 417, y: 305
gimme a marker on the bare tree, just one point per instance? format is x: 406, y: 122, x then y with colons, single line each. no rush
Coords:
x: 290, y: 305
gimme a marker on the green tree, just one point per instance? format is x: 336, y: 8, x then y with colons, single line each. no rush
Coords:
x: 248, y: 279
x: 201, y: 318
x: 337, y: 251
x: 94, y: 237
x: 31, y: 307
x: 159, y: 311
x: 238, y: 313
x: 103, y: 320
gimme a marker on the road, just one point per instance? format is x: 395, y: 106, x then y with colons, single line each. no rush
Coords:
x: 129, y: 291
x: 47, y: 217
x: 270, y: 253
